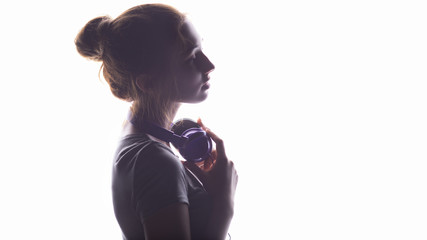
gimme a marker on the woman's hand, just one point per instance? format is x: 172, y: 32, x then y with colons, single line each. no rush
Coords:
x: 219, y: 180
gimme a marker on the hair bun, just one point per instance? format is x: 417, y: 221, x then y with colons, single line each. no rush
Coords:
x: 90, y: 40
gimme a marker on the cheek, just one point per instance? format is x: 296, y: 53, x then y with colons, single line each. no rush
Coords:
x: 189, y: 87
x: 188, y: 77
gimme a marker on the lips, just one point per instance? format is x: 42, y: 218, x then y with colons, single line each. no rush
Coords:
x: 206, y: 78
x: 206, y: 83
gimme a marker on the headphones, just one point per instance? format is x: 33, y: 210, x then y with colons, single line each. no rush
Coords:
x: 192, y: 142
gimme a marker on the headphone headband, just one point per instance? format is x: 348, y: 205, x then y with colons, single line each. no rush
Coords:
x: 187, y: 136
x: 163, y: 134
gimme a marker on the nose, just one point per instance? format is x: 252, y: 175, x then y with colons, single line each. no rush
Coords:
x: 205, y: 65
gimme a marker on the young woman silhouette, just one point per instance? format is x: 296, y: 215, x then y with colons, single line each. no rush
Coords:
x: 151, y: 56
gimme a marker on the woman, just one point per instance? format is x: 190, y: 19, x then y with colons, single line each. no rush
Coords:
x: 151, y: 56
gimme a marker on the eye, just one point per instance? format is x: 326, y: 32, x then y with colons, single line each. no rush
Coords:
x: 191, y: 59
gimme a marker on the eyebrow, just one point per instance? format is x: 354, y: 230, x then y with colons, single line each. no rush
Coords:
x: 191, y: 48
x: 192, y: 45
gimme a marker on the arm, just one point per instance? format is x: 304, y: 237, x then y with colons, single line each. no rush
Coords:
x: 171, y: 222
x: 220, y: 219
x: 220, y: 181
x: 160, y: 194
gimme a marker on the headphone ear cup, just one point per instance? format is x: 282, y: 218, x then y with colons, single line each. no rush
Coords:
x: 198, y: 146
x: 180, y: 126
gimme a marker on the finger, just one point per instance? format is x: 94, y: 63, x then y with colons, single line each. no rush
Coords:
x: 213, y: 154
x: 218, y: 142
x: 200, y: 174
x: 199, y: 121
x: 210, y: 161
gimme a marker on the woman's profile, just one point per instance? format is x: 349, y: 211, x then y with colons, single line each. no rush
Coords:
x: 151, y: 56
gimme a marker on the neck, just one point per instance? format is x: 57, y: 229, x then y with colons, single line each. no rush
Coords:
x: 129, y: 128
x: 161, y: 121
x: 167, y: 120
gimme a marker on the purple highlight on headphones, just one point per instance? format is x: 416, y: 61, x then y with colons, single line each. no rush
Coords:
x: 198, y: 145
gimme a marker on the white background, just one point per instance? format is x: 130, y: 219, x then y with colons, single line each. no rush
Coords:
x: 322, y: 106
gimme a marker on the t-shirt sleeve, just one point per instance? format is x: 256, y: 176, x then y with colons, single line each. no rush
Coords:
x: 159, y: 180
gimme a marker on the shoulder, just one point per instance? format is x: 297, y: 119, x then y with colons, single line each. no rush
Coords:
x: 143, y: 157
x: 147, y: 164
x: 150, y: 175
x: 142, y: 151
x: 157, y: 155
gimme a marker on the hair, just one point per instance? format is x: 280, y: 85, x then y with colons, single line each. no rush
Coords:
x: 135, y: 45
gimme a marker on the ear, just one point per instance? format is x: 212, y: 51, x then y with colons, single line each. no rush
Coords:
x: 143, y: 82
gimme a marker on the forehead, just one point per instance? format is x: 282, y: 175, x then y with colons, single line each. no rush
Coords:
x: 191, y: 35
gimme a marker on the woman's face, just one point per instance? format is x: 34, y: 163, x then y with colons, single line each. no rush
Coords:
x: 191, y: 68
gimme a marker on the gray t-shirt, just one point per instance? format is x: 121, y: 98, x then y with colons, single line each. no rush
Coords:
x: 148, y: 176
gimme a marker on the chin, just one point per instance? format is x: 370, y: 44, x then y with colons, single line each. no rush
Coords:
x: 196, y: 99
